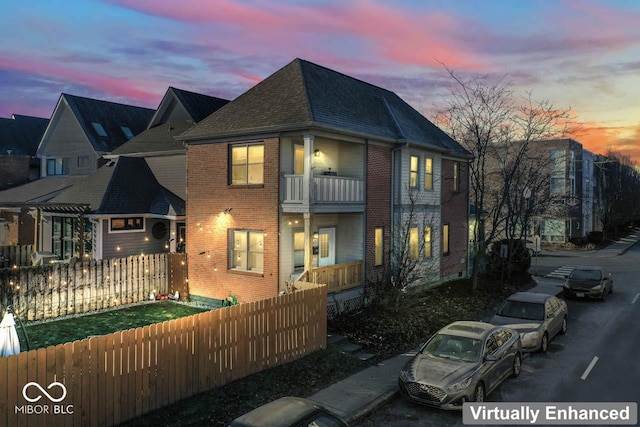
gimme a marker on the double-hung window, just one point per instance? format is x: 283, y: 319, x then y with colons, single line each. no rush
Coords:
x: 456, y: 177
x: 428, y: 245
x: 379, y: 245
x: 445, y: 239
x: 247, y: 250
x: 247, y: 164
x: 413, y: 172
x: 414, y: 250
x: 428, y: 173
x: 55, y: 167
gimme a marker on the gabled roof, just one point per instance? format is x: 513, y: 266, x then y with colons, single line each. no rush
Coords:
x: 186, y: 105
x: 38, y: 190
x: 157, y: 140
x: 114, y: 119
x: 303, y: 95
x: 125, y: 185
x: 20, y: 135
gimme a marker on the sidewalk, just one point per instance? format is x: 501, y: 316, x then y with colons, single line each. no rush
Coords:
x: 363, y: 392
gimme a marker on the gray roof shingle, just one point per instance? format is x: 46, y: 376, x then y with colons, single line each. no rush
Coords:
x: 126, y: 185
x: 159, y: 139
x: 198, y: 105
x: 20, y: 135
x: 303, y: 94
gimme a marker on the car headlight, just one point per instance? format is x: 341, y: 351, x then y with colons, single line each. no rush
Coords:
x: 598, y: 287
x: 566, y: 285
x: 460, y: 385
x: 404, y: 375
x: 530, y: 336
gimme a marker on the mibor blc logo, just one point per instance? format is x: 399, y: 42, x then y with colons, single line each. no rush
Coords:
x: 54, y: 392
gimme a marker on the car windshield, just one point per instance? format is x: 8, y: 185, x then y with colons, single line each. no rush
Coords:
x: 585, y: 274
x: 454, y: 347
x: 522, y: 310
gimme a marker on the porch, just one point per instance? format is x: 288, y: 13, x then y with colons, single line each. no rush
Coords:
x: 337, y: 277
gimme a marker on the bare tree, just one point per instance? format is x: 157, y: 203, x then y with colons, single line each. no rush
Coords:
x: 498, y: 128
x: 413, y: 256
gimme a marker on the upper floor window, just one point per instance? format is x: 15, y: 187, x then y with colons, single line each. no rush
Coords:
x: 456, y: 177
x: 413, y: 173
x: 247, y: 250
x: 428, y: 173
x: 55, y: 167
x: 99, y: 129
x: 247, y: 164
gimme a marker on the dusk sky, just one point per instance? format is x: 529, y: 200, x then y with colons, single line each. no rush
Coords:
x: 578, y: 54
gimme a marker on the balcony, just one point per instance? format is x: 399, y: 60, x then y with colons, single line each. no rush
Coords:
x: 324, y: 189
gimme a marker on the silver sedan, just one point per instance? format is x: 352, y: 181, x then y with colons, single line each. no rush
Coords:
x: 538, y: 318
x: 462, y: 362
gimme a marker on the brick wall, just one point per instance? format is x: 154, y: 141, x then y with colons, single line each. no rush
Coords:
x: 455, y: 213
x: 378, y: 201
x: 253, y: 208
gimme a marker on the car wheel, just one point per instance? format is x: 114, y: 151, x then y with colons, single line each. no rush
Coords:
x: 544, y: 346
x: 563, y: 329
x: 604, y: 295
x: 478, y: 395
x: 517, y: 365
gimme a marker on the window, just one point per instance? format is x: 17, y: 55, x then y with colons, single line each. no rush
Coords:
x: 456, y: 177
x: 413, y: 243
x: 379, y: 245
x: 413, y: 174
x: 127, y: 132
x: 298, y: 159
x: 126, y: 224
x: 298, y: 249
x: 66, y: 234
x: 247, y: 164
x: 428, y: 173
x: 428, y: 246
x: 247, y: 251
x: 83, y: 161
x: 445, y: 239
x: 55, y: 167
x: 99, y: 129
x: 558, y: 172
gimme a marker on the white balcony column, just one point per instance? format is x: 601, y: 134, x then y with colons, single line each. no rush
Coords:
x: 308, y: 170
x: 308, y: 241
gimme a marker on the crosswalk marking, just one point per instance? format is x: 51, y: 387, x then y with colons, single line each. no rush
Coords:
x: 561, y: 272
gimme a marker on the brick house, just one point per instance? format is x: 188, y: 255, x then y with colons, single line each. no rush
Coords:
x: 306, y: 176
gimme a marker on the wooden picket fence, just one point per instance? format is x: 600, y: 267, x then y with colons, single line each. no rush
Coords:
x: 53, y: 290
x: 113, y: 378
x: 15, y: 255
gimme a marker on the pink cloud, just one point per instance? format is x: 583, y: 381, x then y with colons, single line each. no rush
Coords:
x: 119, y: 87
x: 411, y: 37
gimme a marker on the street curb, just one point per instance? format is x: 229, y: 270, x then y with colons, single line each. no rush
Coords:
x: 373, y: 405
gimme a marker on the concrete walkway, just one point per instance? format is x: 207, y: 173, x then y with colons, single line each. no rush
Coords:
x: 363, y: 392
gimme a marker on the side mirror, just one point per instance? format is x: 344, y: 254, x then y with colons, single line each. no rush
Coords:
x: 491, y: 357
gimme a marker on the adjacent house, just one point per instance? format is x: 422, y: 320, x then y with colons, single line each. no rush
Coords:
x: 312, y: 174
x: 135, y: 203
x: 19, y: 138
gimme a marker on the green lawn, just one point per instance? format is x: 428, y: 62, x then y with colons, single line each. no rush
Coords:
x: 56, y: 332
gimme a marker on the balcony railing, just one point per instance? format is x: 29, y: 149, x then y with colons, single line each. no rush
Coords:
x: 324, y: 189
x: 337, y: 277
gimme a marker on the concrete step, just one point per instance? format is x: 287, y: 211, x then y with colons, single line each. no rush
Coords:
x: 349, y: 347
x: 333, y: 339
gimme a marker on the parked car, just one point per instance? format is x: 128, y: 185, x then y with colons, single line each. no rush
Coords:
x: 289, y: 412
x: 538, y: 318
x: 588, y: 281
x: 462, y: 362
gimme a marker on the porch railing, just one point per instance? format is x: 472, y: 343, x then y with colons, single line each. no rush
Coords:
x: 338, y: 277
x: 325, y: 189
